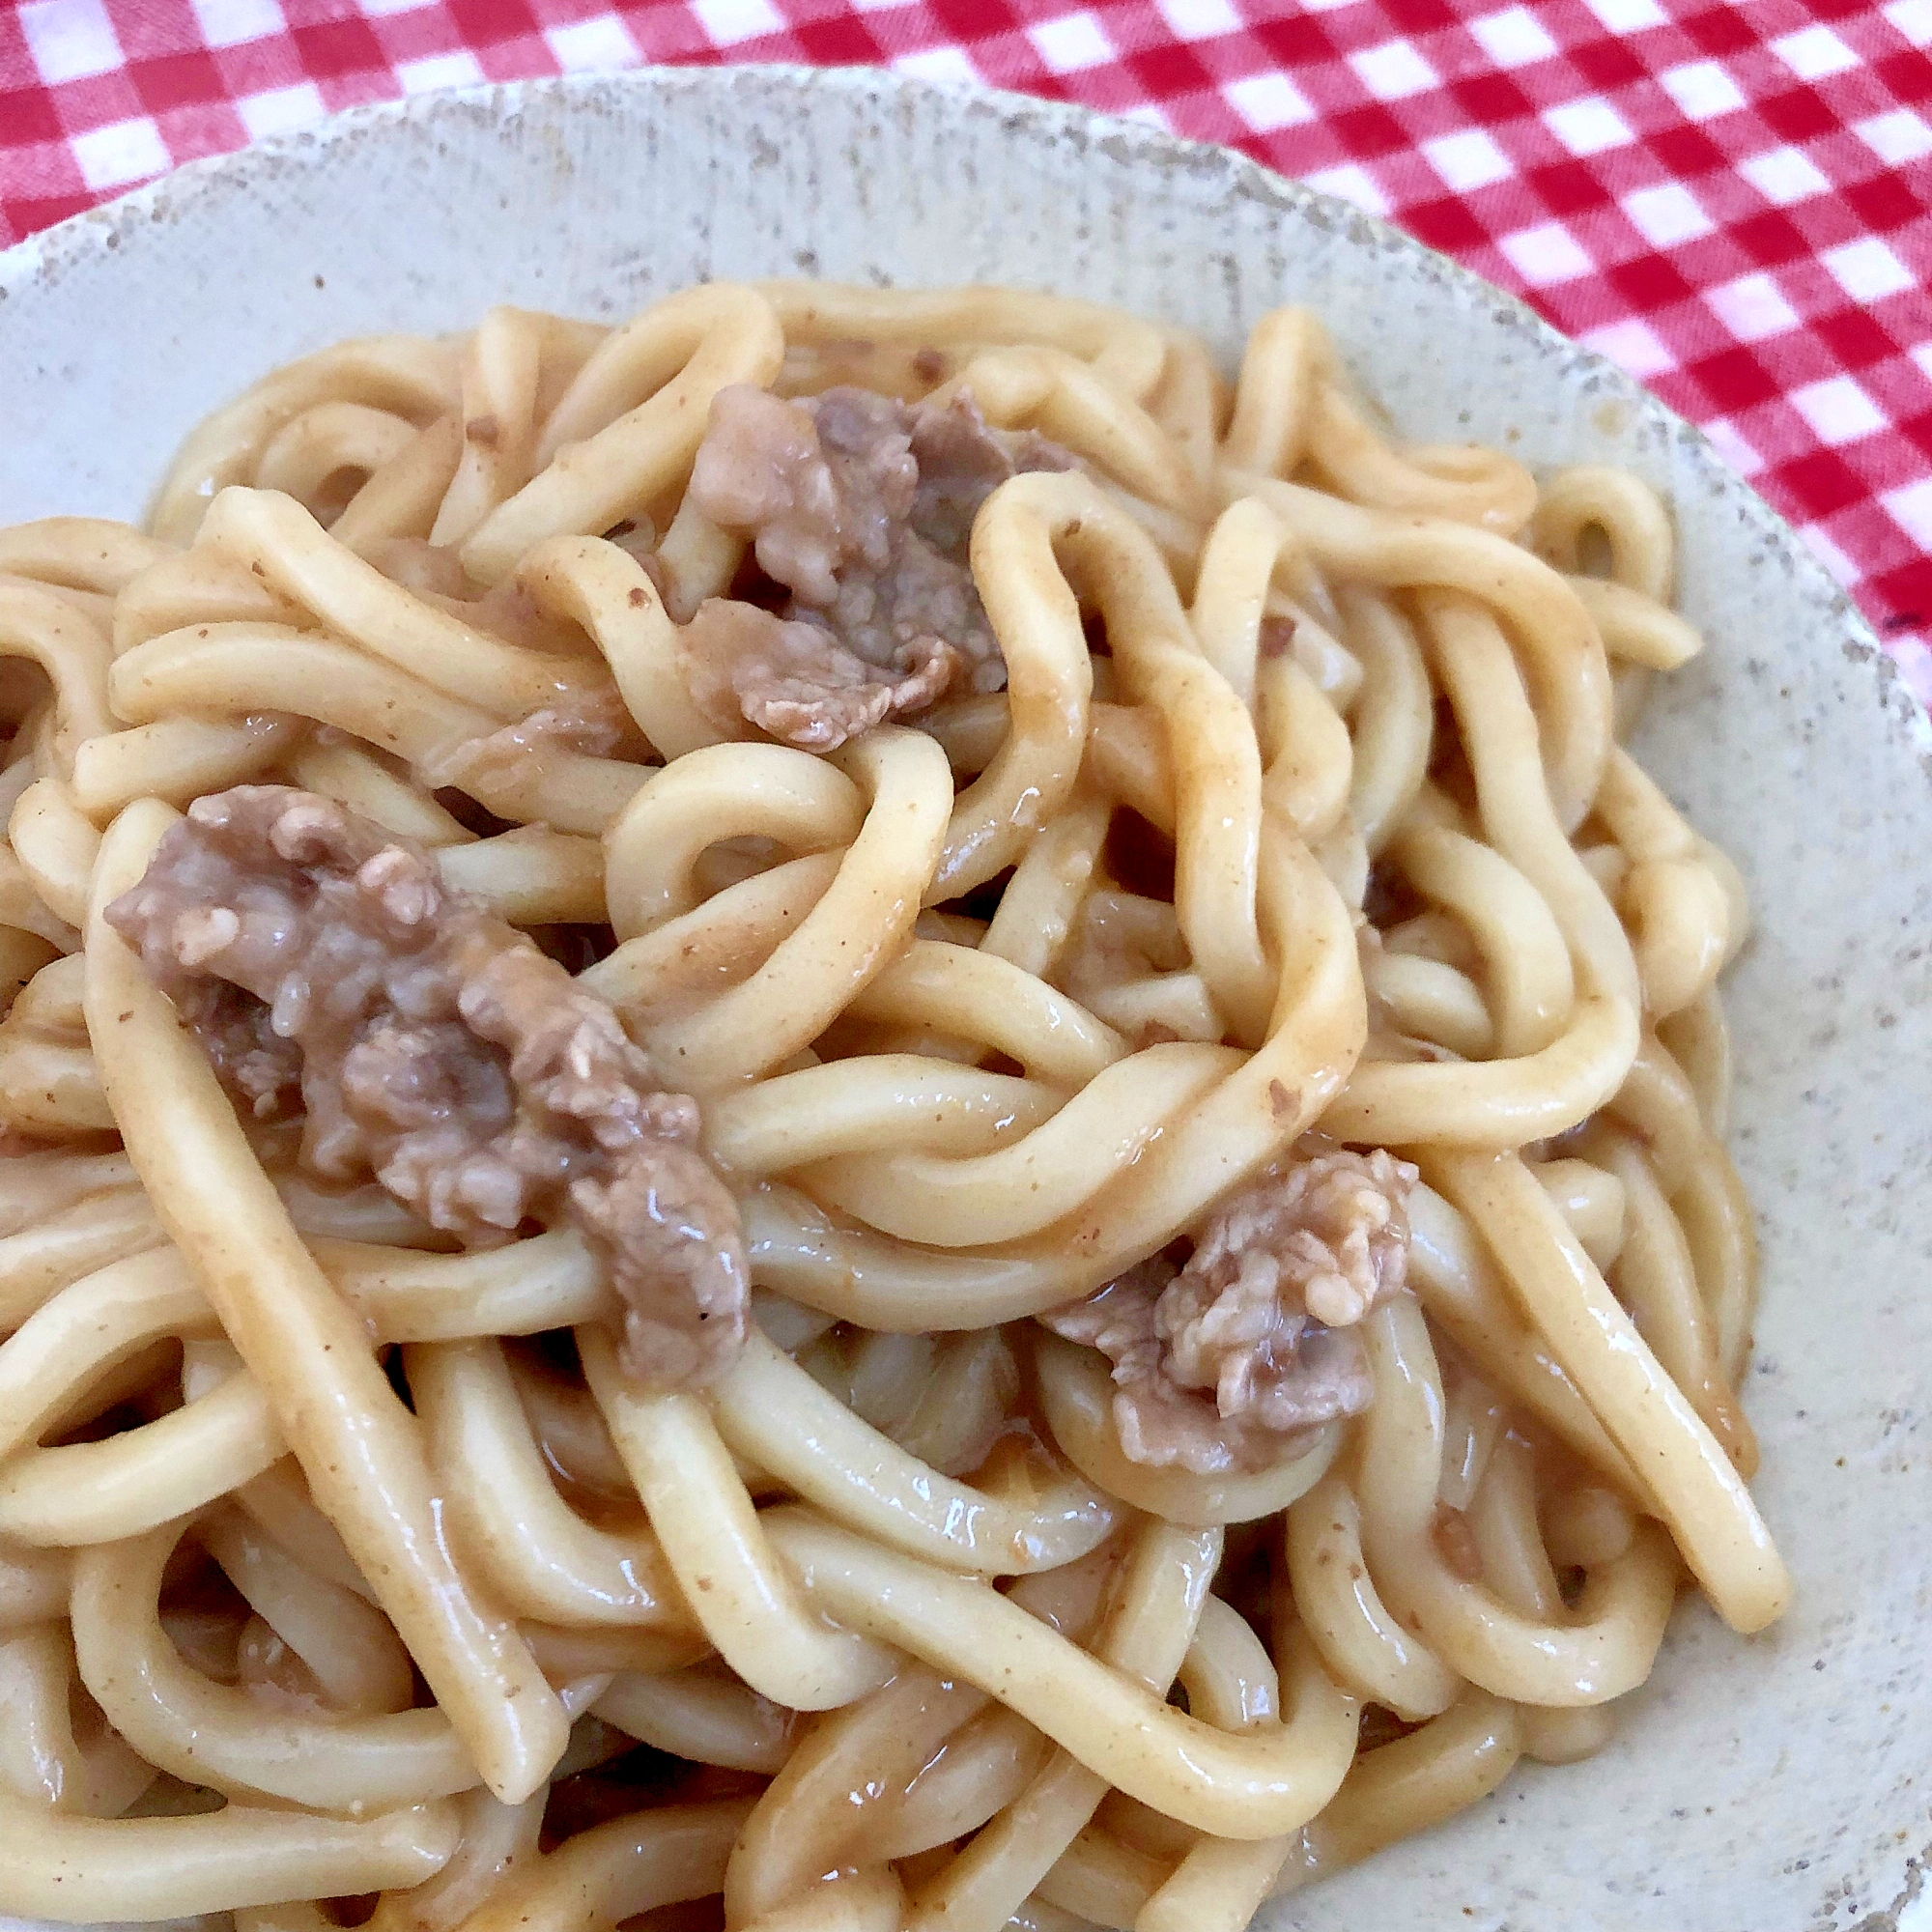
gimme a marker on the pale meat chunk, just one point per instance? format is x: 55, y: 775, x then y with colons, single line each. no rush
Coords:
x: 862, y: 507
x: 796, y: 681
x: 433, y: 1046
x: 595, y: 726
x: 1223, y: 1364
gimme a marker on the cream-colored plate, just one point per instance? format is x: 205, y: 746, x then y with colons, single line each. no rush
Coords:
x: 1780, y: 1785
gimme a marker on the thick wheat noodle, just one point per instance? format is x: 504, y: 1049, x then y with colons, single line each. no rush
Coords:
x: 865, y: 914
x: 174, y: 758
x: 935, y: 1106
x: 1492, y: 710
x: 700, y: 1717
x: 1128, y: 350
x: 1219, y: 1883
x: 1683, y: 1469
x: 634, y: 415
x: 1064, y: 398
x: 1564, y: 652
x: 1014, y: 1191
x: 401, y: 499
x: 496, y: 1840
x: 616, y: 1871
x: 533, y: 877
x: 90, y: 1328
x: 37, y: 627
x: 503, y: 1513
x: 90, y: 1869
x: 1241, y: 1122
x: 846, y: 1766
x: 191, y: 586
x: 1217, y: 807
x: 52, y: 839
x: 73, y: 1242
x: 717, y: 1548
x: 1467, y: 485
x: 34, y: 1583
x: 499, y: 398
x: 1365, y: 1645
x: 247, y: 668
x: 1656, y: 1278
x: 1623, y: 511
x: 1239, y: 1787
x: 395, y: 372
x: 1043, y: 897
x: 1525, y: 965
x: 211, y: 1734
x: 1449, y: 1764
x: 43, y: 1754
x: 1594, y: 1201
x: 1228, y: 1675
x: 1309, y: 759
x: 1146, y: 1632
x: 1020, y: 545
x: 593, y: 584
x: 49, y: 1088
x: 354, y: 601
x: 975, y: 995
x: 1394, y: 720
x: 769, y: 1410
x: 980, y: 1770
x: 312, y: 449
x: 718, y: 945
x: 1715, y: 1217
x: 340, y: 770
x: 85, y: 553
x: 357, y: 1658
x: 1317, y: 1027
x: 721, y: 791
x: 83, y: 1493
x: 964, y: 1051
x: 1104, y: 1879
x: 1604, y: 1648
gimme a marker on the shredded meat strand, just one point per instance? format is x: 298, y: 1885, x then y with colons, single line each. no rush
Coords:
x: 595, y: 726
x: 1223, y: 1364
x: 432, y: 1045
x: 862, y: 507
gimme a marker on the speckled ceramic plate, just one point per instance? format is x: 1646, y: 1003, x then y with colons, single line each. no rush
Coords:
x: 1780, y: 1785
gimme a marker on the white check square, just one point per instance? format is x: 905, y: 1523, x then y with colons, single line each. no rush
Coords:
x: 120, y: 154
x: 1513, y: 38
x: 1266, y: 101
x: 1587, y: 126
x: 1866, y: 269
x: 1668, y: 216
x: 1752, y: 307
x: 1546, y: 255
x: 1838, y: 410
x: 1393, y: 71
x: 70, y: 39
x: 727, y: 22
x: 1072, y: 43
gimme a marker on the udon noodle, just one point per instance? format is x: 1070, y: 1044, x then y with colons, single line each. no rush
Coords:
x: 503, y: 1432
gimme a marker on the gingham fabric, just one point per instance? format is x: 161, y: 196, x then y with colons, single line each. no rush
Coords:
x: 1732, y: 201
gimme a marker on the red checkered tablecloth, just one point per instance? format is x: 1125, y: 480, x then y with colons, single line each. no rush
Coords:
x: 1734, y: 201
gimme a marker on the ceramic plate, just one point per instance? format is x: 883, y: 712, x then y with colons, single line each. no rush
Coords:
x: 1780, y: 1785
